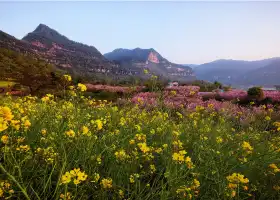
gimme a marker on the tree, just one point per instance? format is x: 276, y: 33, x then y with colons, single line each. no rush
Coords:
x: 27, y: 71
x: 218, y: 85
x: 255, y: 93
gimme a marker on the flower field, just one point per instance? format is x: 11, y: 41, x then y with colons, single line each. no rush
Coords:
x: 81, y: 148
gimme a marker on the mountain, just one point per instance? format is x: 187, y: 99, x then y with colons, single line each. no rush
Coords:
x: 231, y: 71
x: 47, y: 44
x: 268, y: 75
x: 190, y: 65
x: 86, y: 61
x: 139, y: 59
x: 66, y: 53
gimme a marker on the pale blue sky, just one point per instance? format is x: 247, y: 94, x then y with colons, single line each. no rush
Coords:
x: 182, y: 32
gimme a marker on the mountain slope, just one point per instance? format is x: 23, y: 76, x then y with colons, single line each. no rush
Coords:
x: 268, y: 75
x: 66, y: 53
x: 76, y: 58
x: 50, y: 38
x: 139, y: 59
x: 230, y: 71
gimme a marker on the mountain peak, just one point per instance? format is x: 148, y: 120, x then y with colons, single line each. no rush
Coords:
x: 49, y: 34
x: 41, y: 27
x: 46, y: 30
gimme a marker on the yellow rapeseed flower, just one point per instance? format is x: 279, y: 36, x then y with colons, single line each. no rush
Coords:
x: 3, y: 125
x: 106, y: 183
x: 274, y: 168
x: 121, y: 155
x: 70, y: 133
x: 82, y: 87
x: 75, y: 175
x: 247, y: 147
x: 67, y: 77
x: 96, y: 177
x: 121, y: 194
x: 5, y: 139
x: 219, y: 139
x: 143, y: 147
x: 237, y: 178
x: 23, y: 148
x: 267, y: 118
x: 66, y: 178
x: 6, y: 113
x: 65, y: 197
x: 27, y: 124
x: 43, y: 132
x: 99, y: 124
x: 85, y: 130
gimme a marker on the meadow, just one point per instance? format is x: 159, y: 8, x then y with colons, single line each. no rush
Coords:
x: 169, y: 145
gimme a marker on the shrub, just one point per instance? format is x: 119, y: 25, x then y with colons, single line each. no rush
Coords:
x: 153, y: 85
x: 255, y: 92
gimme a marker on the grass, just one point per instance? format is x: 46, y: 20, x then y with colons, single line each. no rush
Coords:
x: 79, y: 148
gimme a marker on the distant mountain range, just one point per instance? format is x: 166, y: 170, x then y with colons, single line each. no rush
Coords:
x: 241, y: 73
x: 46, y: 43
x: 139, y: 59
x: 53, y: 47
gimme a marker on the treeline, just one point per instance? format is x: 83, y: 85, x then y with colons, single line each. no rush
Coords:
x: 27, y: 71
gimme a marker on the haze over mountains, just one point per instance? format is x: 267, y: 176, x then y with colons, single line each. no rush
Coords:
x: 241, y: 73
x: 55, y: 48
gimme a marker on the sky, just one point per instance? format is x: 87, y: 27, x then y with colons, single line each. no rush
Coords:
x: 182, y: 32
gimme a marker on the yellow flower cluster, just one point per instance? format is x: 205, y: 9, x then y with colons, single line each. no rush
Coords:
x: 274, y: 168
x: 247, y: 147
x: 140, y: 137
x: 180, y: 158
x: 236, y: 181
x: 173, y: 92
x: 121, y: 155
x: 143, y: 147
x: 106, y: 183
x: 23, y: 148
x: 144, y: 144
x: 96, y: 177
x: 187, y: 192
x: 67, y: 78
x: 133, y: 177
x: 85, y: 131
x: 5, y: 189
x: 82, y: 87
x: 5, y: 139
x: 66, y: 196
x: 99, y: 124
x: 75, y: 175
x: 277, y: 125
x: 48, y: 154
x: 47, y: 98
x: 5, y: 117
x: 219, y: 139
x: 70, y: 133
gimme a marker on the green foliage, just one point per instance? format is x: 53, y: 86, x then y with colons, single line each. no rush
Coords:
x: 218, y: 85
x: 154, y: 84
x: 226, y: 88
x: 255, y: 92
x: 104, y: 95
x: 205, y: 86
x: 28, y: 71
